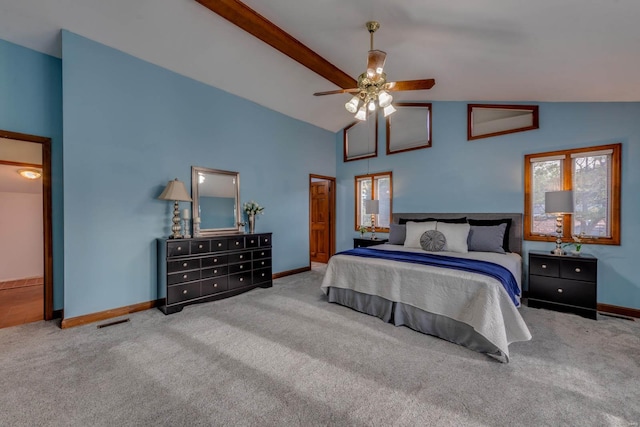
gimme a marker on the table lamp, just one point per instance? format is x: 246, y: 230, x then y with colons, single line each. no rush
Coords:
x: 175, y: 191
x: 558, y: 203
x: 372, y: 207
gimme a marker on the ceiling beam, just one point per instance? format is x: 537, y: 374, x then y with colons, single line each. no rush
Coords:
x: 255, y: 24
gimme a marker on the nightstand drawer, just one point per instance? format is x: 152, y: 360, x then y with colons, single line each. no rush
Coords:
x: 264, y: 253
x: 215, y: 271
x: 544, y: 266
x: 240, y: 280
x: 177, y: 248
x: 574, y: 292
x: 215, y: 261
x: 261, y: 263
x: 199, y: 247
x: 185, y: 276
x: 238, y: 268
x: 187, y: 264
x: 261, y: 275
x: 241, y: 257
x: 578, y: 270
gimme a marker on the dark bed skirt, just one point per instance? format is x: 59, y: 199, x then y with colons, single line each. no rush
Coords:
x: 422, y: 321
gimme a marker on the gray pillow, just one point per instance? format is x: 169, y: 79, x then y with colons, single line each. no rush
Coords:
x: 397, y: 234
x: 487, y: 238
x: 432, y: 241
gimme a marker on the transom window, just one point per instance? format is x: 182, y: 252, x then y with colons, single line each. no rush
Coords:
x: 377, y: 186
x: 593, y: 174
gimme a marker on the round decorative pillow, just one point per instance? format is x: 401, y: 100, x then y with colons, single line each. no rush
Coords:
x: 432, y: 241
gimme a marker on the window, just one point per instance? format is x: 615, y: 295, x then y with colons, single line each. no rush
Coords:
x: 593, y: 174
x: 376, y: 186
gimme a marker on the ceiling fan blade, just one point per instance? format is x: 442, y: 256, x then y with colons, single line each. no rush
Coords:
x: 332, y: 92
x: 375, y: 63
x: 411, y: 85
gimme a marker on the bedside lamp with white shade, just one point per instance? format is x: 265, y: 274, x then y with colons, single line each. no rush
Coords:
x: 176, y: 191
x: 372, y: 207
x: 558, y: 203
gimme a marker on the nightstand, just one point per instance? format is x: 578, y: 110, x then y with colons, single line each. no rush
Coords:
x: 363, y: 242
x: 564, y: 283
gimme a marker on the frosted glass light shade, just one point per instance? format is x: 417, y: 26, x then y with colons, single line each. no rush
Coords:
x: 362, y: 113
x: 384, y: 99
x: 352, y: 105
x: 388, y: 110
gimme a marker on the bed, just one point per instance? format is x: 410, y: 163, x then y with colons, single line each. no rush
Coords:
x: 409, y: 286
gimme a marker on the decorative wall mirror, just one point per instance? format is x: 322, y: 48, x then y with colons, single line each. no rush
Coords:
x: 216, y: 200
x: 361, y: 139
x: 486, y: 120
x: 409, y: 128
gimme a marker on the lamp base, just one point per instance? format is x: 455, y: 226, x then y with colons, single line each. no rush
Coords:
x: 558, y: 252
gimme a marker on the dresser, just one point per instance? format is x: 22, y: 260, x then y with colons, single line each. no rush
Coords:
x: 564, y: 283
x: 203, y: 269
x: 363, y: 242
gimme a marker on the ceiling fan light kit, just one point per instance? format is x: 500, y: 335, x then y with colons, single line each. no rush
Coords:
x: 373, y: 89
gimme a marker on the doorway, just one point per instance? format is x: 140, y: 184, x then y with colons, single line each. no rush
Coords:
x: 26, y: 279
x: 322, y: 218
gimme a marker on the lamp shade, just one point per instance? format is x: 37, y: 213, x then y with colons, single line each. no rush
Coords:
x: 558, y: 202
x: 372, y: 207
x: 176, y: 191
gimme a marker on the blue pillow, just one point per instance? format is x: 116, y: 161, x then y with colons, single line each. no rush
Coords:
x: 397, y: 234
x: 487, y: 238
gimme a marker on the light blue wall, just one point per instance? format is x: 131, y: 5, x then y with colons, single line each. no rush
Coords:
x: 31, y: 103
x: 130, y: 127
x: 486, y: 175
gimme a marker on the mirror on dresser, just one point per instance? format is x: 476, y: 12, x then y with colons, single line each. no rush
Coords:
x: 216, y: 200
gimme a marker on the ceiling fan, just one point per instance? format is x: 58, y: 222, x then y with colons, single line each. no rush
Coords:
x: 373, y: 88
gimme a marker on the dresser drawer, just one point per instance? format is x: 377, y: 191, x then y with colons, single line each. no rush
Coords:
x: 264, y: 253
x: 240, y: 280
x: 241, y: 257
x: 240, y: 267
x: 213, y: 285
x: 264, y: 239
x: 251, y: 241
x: 261, y: 275
x: 218, y: 245
x: 214, y: 271
x: 572, y: 292
x: 261, y: 263
x: 177, y: 248
x: 184, y: 276
x: 578, y: 270
x: 184, y: 292
x: 200, y: 247
x: 214, y: 261
x: 187, y: 264
x: 236, y: 243
x: 544, y: 266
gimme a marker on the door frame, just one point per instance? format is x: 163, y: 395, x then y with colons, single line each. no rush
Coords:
x: 332, y: 212
x: 46, y: 213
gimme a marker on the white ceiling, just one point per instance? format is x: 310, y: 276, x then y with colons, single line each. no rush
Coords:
x: 477, y: 50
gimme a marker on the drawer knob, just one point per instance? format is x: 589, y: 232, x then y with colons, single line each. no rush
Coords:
x: 262, y: 274
x: 262, y: 263
x: 544, y: 265
x: 215, y: 260
x: 241, y: 256
x: 184, y: 292
x: 219, y: 244
x: 184, y: 264
x: 237, y: 243
x: 179, y: 248
x: 577, y: 269
x: 560, y: 290
x: 215, y: 285
x: 266, y: 240
x: 241, y: 267
x: 252, y: 241
x: 184, y: 276
x: 261, y: 253
x: 242, y: 279
x: 199, y: 246
x: 215, y: 271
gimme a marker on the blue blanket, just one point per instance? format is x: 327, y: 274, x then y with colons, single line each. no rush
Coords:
x: 490, y: 269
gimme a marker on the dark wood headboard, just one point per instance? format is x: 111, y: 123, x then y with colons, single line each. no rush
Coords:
x: 515, y: 232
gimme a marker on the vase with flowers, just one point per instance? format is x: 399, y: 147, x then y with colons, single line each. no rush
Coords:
x: 252, y: 209
x: 576, y: 244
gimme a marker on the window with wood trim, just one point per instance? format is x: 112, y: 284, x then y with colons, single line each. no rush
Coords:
x: 594, y: 174
x: 377, y: 186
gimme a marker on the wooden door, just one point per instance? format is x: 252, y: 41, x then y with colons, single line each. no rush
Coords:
x: 320, y: 240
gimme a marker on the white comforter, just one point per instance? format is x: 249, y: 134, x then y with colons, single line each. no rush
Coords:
x: 475, y: 299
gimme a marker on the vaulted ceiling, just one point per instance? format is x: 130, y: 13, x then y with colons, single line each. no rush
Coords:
x: 477, y: 50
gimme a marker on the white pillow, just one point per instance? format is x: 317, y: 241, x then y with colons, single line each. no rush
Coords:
x: 415, y: 230
x: 456, y: 235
